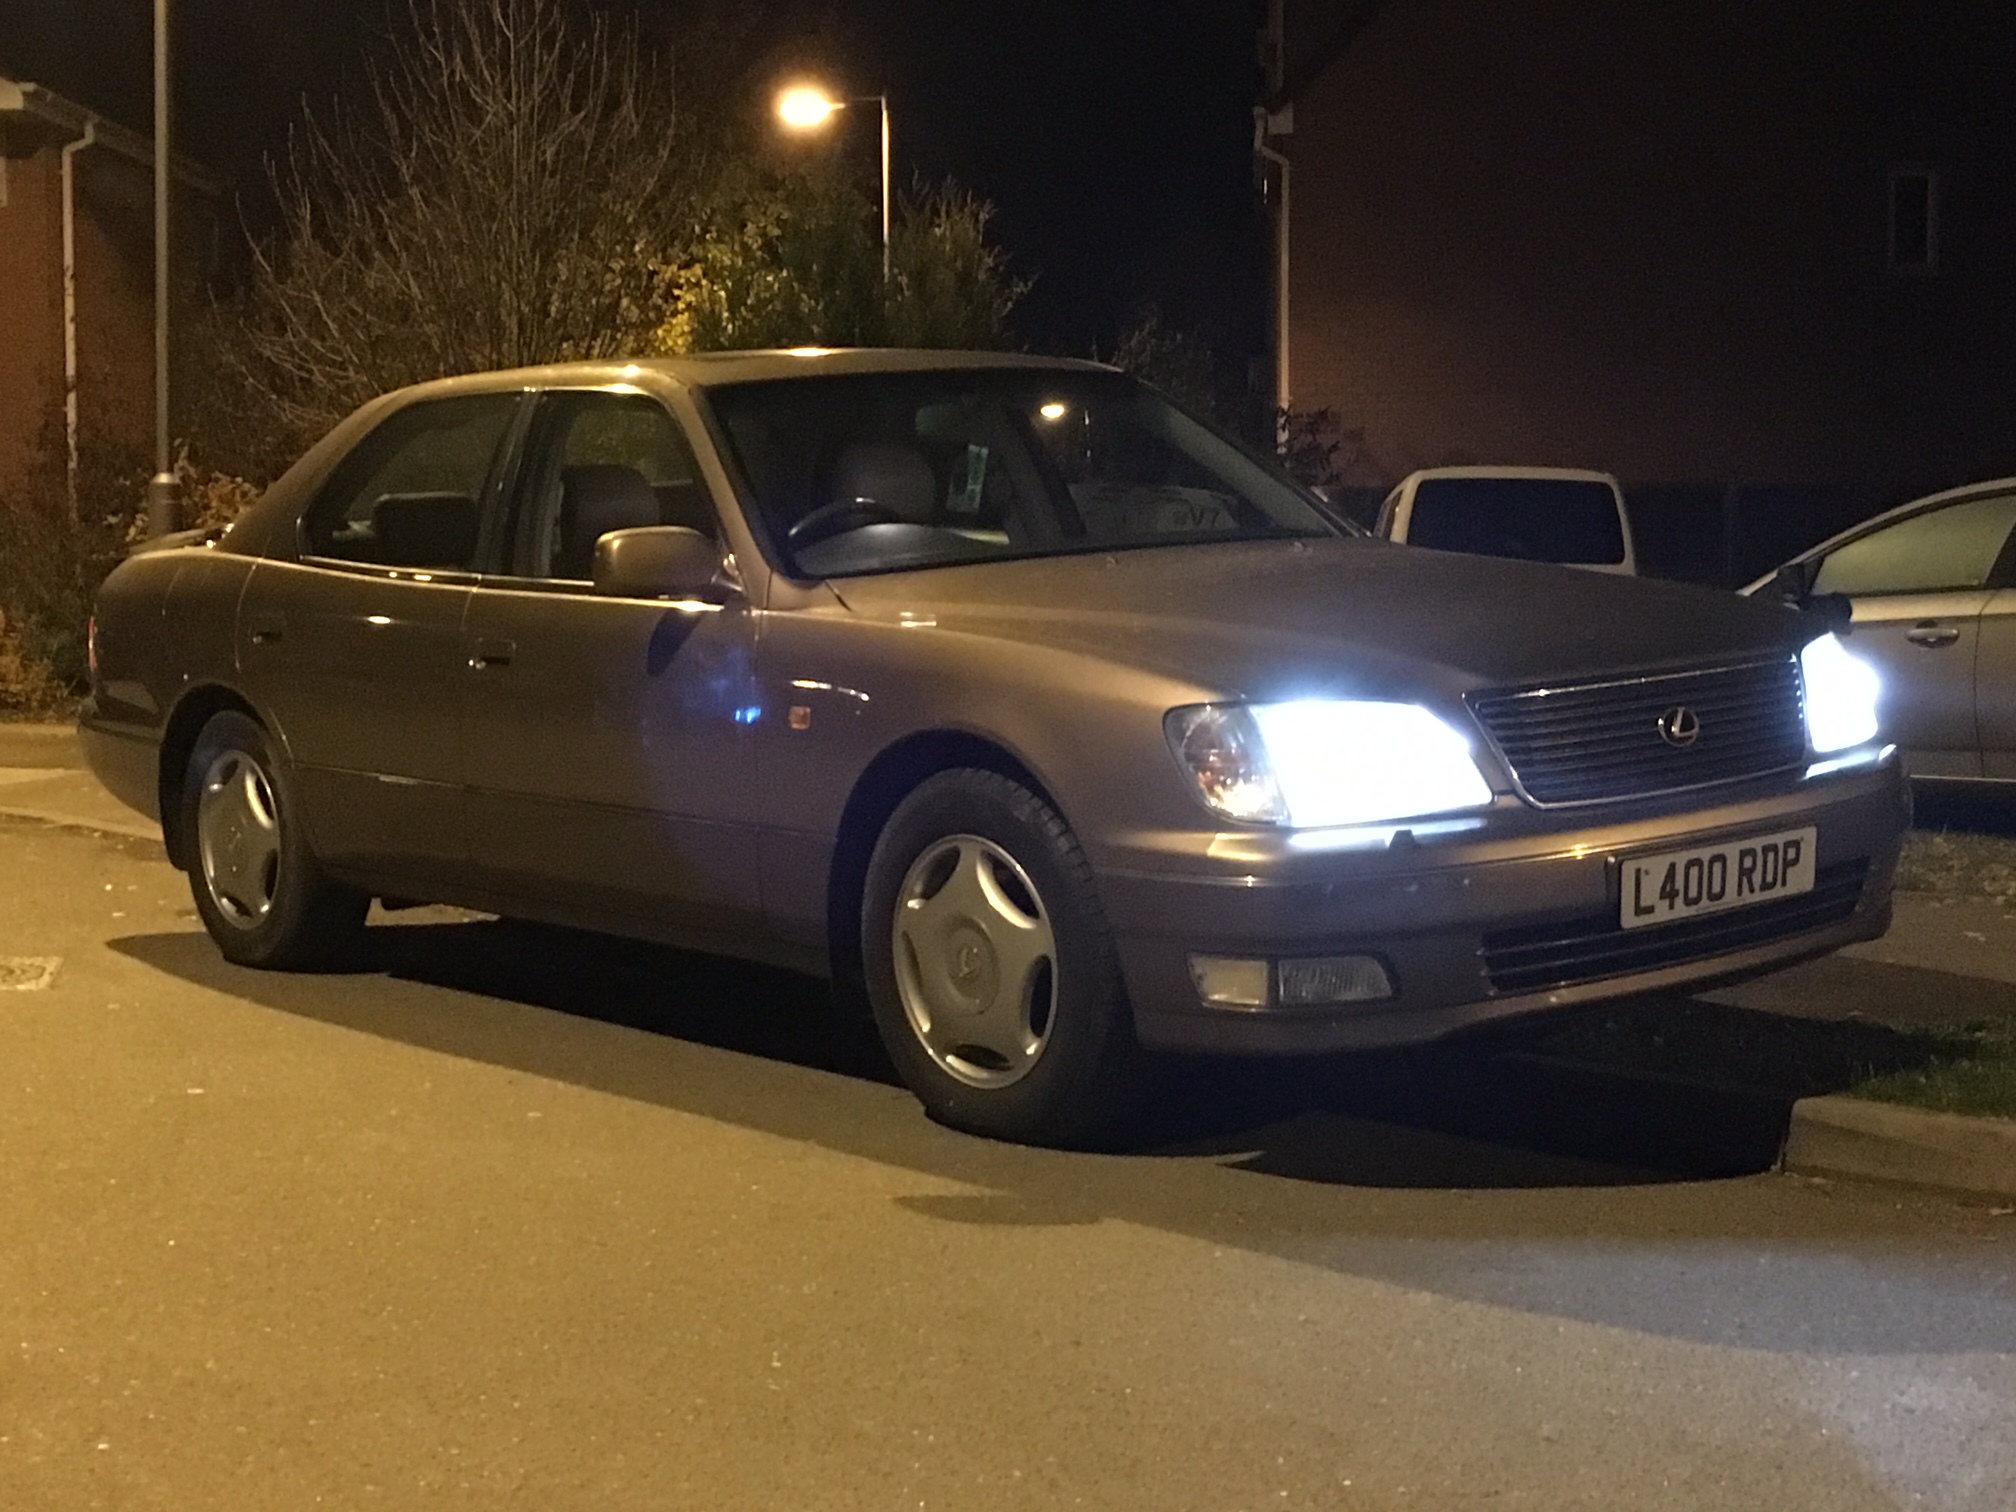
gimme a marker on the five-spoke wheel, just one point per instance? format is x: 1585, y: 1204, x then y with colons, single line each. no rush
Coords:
x: 990, y: 967
x: 238, y: 838
x: 976, y: 961
x: 257, y: 885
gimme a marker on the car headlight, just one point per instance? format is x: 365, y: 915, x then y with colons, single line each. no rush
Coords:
x: 1841, y: 695
x: 1320, y: 762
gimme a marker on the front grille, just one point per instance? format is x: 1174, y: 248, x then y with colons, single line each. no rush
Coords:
x: 1585, y: 743
x: 1539, y: 956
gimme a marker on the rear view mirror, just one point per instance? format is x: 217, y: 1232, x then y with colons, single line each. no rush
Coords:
x: 656, y: 561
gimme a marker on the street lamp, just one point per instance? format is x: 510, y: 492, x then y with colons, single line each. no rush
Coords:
x: 162, y: 488
x: 806, y: 107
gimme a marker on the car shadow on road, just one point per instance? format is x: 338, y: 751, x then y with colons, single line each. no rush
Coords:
x: 1580, y: 1104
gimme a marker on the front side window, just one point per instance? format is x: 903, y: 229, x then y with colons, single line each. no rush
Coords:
x: 602, y: 462
x: 1531, y: 519
x: 1953, y: 548
x: 884, y: 472
x: 410, y: 494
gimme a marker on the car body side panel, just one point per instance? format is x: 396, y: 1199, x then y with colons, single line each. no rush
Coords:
x: 838, y: 690
x: 1995, y: 686
x: 607, y: 754
x: 361, y: 672
x: 1924, y: 646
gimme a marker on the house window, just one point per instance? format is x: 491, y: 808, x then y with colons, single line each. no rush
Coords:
x: 1914, y: 220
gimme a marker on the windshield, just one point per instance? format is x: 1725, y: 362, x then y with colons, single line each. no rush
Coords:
x: 885, y: 472
x: 1534, y: 519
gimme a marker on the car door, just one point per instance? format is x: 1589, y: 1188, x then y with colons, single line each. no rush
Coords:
x: 354, y: 649
x: 1995, y: 672
x: 606, y: 739
x: 1919, y: 587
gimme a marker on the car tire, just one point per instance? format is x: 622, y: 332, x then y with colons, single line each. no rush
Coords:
x: 991, y: 970
x: 257, y: 885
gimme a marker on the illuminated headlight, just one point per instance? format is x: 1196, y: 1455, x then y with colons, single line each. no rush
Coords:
x: 1841, y: 694
x: 1324, y: 762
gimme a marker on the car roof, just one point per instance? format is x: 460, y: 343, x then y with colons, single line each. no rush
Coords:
x: 709, y: 369
x: 1553, y: 474
x: 1898, y: 512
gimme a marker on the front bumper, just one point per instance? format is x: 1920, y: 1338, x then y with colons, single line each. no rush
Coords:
x: 1515, y: 916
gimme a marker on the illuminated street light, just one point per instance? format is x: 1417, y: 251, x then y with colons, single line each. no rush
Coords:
x: 806, y: 107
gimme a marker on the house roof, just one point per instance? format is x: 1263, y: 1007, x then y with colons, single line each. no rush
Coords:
x: 32, y: 118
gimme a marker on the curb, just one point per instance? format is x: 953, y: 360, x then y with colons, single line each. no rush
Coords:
x: 1846, y: 1136
x: 110, y: 829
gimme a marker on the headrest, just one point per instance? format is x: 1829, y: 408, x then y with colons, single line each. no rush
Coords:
x: 889, y: 474
x: 596, y: 498
x: 425, y: 529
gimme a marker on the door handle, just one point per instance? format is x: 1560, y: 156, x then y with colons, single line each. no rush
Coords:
x: 1932, y: 636
x: 265, y: 629
x: 492, y: 653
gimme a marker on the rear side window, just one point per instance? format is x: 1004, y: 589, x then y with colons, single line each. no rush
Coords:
x: 411, y: 493
x: 1951, y: 548
x: 1531, y: 519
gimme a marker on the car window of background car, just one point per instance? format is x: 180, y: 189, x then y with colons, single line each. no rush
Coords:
x: 1529, y: 519
x: 603, y: 462
x: 875, y: 473
x: 408, y: 495
x: 1955, y: 547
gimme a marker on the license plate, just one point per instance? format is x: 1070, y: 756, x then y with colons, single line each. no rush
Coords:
x: 1712, y: 878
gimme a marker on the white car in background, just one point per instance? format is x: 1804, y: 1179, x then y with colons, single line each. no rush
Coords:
x: 1532, y: 514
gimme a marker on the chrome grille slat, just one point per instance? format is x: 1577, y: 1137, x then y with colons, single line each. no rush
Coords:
x: 1600, y: 741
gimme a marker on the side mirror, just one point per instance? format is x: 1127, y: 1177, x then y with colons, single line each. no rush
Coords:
x: 1792, y: 584
x: 1834, y: 610
x: 656, y: 561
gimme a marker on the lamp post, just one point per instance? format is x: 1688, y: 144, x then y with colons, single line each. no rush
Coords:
x: 162, y: 487
x: 806, y: 107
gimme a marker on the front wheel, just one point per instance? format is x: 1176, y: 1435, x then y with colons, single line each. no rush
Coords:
x: 991, y: 969
x: 257, y: 886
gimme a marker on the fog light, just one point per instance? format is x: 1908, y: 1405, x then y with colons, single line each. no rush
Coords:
x: 1333, y: 979
x: 1225, y: 982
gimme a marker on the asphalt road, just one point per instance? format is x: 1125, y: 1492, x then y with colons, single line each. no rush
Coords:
x: 517, y: 1218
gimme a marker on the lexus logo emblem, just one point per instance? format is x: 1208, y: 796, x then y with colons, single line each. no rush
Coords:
x: 1680, y: 727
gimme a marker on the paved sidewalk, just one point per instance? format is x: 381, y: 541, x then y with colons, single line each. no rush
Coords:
x: 43, y: 776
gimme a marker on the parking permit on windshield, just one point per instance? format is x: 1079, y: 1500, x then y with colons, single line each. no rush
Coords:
x: 1713, y: 878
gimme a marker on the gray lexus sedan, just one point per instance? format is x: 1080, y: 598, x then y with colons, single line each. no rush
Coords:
x: 995, y: 686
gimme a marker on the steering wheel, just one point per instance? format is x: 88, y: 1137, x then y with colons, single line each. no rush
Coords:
x: 837, y: 518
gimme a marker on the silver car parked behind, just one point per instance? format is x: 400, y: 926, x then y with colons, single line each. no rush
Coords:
x: 1932, y: 584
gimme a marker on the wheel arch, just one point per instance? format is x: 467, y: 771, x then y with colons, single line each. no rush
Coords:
x: 887, y: 780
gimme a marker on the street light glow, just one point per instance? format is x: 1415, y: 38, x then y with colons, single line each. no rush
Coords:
x: 805, y: 107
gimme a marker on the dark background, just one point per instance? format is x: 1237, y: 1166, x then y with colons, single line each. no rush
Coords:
x: 1112, y: 136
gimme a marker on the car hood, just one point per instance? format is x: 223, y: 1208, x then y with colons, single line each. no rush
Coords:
x: 1353, y: 617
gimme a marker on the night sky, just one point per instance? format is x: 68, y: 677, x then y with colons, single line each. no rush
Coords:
x: 1111, y: 135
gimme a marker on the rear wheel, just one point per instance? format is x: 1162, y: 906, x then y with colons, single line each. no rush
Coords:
x: 990, y: 967
x: 257, y: 886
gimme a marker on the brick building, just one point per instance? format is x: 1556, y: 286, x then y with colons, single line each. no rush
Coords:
x: 1697, y: 241
x: 77, y: 287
